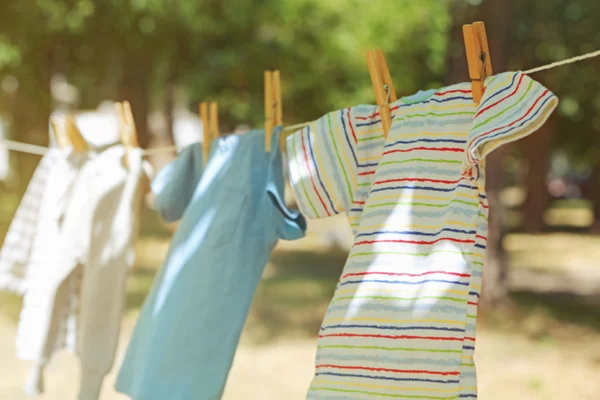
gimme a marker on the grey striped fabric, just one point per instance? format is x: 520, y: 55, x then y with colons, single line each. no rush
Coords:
x: 15, y: 255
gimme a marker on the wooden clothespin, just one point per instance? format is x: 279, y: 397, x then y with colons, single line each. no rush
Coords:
x: 203, y: 109
x: 478, y: 57
x: 128, y: 130
x: 273, y: 106
x: 68, y: 134
x: 60, y: 133
x: 209, y: 114
x: 132, y: 137
x: 74, y: 135
x: 382, y: 86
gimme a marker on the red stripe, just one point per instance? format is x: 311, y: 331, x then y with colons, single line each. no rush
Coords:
x: 391, y: 336
x: 444, y: 149
x: 414, y: 241
x: 481, y: 237
x: 406, y: 274
x: 358, y: 202
x: 311, y: 177
x: 479, y: 112
x: 376, y: 114
x: 351, y: 127
x: 399, y: 371
x: 472, y: 303
x: 417, y: 180
x: 454, y: 91
x: 366, y: 173
x: 472, y: 339
x: 514, y: 122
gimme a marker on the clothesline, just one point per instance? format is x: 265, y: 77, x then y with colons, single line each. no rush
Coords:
x: 41, y: 150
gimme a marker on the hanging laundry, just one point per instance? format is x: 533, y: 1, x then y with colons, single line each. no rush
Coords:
x: 232, y: 215
x: 15, y: 255
x: 402, y: 320
x: 75, y: 295
x: 32, y: 246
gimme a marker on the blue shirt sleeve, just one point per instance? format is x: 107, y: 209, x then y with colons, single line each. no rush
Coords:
x: 175, y: 184
x: 291, y: 225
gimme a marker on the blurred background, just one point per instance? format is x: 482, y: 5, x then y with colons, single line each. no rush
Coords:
x: 539, y: 331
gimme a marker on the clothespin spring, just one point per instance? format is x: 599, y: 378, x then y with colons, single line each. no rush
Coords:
x: 388, y: 93
x: 483, y: 58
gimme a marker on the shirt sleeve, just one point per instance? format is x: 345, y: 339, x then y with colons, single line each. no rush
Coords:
x: 174, y: 185
x: 513, y: 106
x: 322, y: 165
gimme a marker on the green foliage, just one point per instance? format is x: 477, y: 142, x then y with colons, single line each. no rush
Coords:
x: 218, y: 50
x: 552, y: 30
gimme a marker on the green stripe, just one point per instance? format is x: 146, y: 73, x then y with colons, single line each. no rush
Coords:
x: 370, y: 253
x: 334, y: 300
x: 477, y: 262
x: 506, y: 109
x: 432, y: 114
x: 371, y: 138
x: 295, y: 156
x: 466, y: 365
x: 383, y: 394
x: 388, y: 348
x: 337, y: 153
x: 472, y: 316
x: 491, y: 81
x: 423, y: 204
x: 422, y: 160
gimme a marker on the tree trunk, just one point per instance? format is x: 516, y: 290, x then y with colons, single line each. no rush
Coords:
x: 494, y: 14
x: 595, y: 196
x: 170, y: 94
x: 135, y: 88
x: 495, y: 270
x: 31, y: 112
x: 494, y: 286
x: 537, y: 151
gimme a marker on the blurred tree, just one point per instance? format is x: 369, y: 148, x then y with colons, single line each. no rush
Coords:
x: 495, y: 14
x: 32, y: 32
x: 547, y: 31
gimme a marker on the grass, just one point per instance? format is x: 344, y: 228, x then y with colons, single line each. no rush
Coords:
x: 301, y: 277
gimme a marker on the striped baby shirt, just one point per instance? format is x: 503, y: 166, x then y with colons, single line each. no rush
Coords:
x: 401, y: 323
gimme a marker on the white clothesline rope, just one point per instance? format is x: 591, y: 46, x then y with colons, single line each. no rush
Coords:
x: 23, y: 147
x: 564, y: 62
x: 41, y: 150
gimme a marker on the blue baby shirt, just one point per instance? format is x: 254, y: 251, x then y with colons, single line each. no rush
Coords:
x: 232, y: 215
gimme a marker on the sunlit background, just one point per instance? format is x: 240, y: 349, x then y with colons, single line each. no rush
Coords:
x: 539, y: 333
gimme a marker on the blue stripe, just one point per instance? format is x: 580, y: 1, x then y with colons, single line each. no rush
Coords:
x: 426, y: 140
x: 417, y: 232
x: 388, y: 378
x: 395, y: 107
x: 489, y: 138
x: 347, y: 138
x: 423, y: 188
x: 395, y: 328
x: 314, y: 160
x: 481, y: 106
